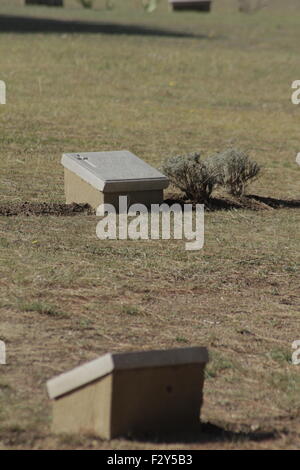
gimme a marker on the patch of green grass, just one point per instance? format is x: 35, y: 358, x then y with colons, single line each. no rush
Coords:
x: 181, y: 339
x: 286, y: 381
x: 4, y: 243
x: 5, y: 387
x: 286, y: 384
x: 130, y: 310
x: 217, y: 364
x: 280, y: 355
x: 84, y: 324
x: 70, y: 440
x: 43, y: 309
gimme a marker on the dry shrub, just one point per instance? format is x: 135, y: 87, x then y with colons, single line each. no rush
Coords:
x: 232, y: 169
x: 190, y: 175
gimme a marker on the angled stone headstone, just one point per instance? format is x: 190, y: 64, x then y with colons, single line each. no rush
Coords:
x: 101, y: 177
x: 120, y: 394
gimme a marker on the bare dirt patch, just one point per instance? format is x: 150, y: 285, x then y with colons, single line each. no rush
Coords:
x: 45, y: 208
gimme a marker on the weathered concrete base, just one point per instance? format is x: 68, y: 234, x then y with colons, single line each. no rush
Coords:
x: 79, y: 191
x: 49, y: 3
x: 157, y: 399
x: 136, y: 401
x: 86, y: 410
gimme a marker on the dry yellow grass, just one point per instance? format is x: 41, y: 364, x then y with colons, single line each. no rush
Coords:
x: 67, y: 297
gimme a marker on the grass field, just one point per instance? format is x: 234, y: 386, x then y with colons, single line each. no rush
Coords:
x: 157, y: 85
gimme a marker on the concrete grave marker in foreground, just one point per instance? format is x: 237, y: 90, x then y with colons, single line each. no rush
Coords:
x: 121, y: 394
x: 101, y: 177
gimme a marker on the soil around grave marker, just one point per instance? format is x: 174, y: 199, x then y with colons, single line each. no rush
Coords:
x: 250, y: 202
x: 45, y: 208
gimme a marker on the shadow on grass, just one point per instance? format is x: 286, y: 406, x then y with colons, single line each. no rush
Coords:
x: 26, y: 24
x: 276, y: 203
x: 207, y: 433
x: 251, y: 202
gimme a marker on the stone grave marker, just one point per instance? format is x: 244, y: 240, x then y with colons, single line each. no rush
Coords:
x: 101, y: 177
x: 130, y: 393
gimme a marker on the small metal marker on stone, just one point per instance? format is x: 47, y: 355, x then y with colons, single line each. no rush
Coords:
x: 131, y: 393
x: 101, y: 177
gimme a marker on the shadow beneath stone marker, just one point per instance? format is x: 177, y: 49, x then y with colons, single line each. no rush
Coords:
x: 251, y: 202
x: 276, y: 203
x: 206, y: 433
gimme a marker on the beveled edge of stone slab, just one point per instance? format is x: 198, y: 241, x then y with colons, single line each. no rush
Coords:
x: 86, y: 169
x: 104, y: 365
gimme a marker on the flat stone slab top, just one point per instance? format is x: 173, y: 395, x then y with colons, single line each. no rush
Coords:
x: 115, y: 171
x: 104, y: 365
